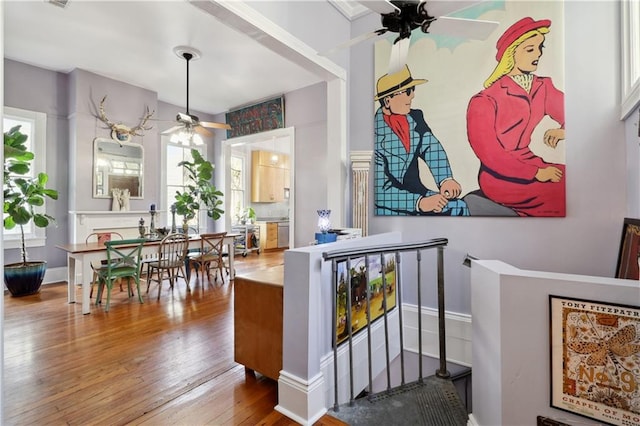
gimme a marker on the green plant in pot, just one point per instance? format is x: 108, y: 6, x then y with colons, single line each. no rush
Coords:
x: 23, y: 195
x: 199, y: 193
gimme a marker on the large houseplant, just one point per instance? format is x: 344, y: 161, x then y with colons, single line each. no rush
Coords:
x: 199, y: 193
x: 23, y: 195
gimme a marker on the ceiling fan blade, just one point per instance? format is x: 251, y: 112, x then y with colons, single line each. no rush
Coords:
x: 212, y: 125
x: 354, y: 41
x: 202, y: 131
x: 380, y: 6
x: 463, y: 28
x: 399, y: 54
x: 172, y: 130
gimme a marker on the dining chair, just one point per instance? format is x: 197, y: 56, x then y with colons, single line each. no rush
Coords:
x: 123, y: 261
x: 101, y: 237
x: 210, y: 255
x: 169, y: 260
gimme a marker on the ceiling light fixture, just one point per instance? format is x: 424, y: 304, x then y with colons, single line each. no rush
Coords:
x: 187, y: 137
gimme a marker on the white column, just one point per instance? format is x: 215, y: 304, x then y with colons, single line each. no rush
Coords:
x: 360, y: 166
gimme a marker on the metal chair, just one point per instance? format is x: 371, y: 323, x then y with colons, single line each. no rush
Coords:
x: 101, y: 237
x: 123, y: 261
x: 210, y: 255
x: 170, y: 260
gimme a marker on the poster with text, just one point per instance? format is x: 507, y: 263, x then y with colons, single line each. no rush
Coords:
x: 595, y: 360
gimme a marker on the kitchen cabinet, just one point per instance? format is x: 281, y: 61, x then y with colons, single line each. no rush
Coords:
x: 269, y: 176
x: 274, y: 234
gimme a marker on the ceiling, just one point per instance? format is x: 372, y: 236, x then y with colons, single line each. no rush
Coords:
x: 133, y: 42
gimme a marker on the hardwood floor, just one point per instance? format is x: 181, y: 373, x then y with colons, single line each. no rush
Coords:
x: 165, y: 362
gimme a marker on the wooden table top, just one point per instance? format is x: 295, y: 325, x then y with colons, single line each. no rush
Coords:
x: 271, y: 276
x: 96, y: 246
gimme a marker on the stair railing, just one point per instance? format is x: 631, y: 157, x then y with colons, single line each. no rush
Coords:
x: 347, y: 255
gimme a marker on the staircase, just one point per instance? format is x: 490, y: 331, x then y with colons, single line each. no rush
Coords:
x: 431, y: 400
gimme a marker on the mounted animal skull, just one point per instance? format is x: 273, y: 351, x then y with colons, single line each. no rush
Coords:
x: 121, y: 132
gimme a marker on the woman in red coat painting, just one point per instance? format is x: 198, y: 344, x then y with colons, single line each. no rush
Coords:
x: 502, y: 117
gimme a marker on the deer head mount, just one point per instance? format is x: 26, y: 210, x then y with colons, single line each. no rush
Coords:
x: 121, y: 132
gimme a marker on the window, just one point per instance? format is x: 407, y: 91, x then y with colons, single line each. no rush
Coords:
x: 174, y: 177
x: 237, y: 186
x: 630, y: 56
x: 34, y: 125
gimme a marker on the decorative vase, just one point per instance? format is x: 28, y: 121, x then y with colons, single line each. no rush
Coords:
x: 23, y: 279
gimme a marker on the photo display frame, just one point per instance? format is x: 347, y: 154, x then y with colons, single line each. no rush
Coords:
x: 627, y: 265
x: 595, y: 359
x: 364, y: 272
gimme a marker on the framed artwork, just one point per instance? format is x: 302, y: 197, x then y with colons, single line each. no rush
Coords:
x: 379, y: 290
x: 627, y: 266
x: 267, y: 115
x: 595, y: 359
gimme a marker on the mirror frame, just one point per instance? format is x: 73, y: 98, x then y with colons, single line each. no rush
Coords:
x: 100, y: 180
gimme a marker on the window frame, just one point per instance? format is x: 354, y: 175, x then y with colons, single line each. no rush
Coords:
x: 200, y: 220
x: 630, y: 45
x: 34, y: 236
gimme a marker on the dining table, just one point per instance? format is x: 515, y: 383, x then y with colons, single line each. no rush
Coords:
x: 87, y: 254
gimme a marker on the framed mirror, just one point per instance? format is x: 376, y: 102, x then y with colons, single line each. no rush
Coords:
x: 117, y: 165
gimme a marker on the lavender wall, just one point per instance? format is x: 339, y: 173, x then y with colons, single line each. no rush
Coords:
x: 586, y: 241
x: 36, y: 89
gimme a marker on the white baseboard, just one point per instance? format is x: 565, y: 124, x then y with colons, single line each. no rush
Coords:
x: 55, y: 275
x: 301, y: 400
x: 457, y: 329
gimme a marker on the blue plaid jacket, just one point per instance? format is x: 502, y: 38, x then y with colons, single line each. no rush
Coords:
x: 396, y: 181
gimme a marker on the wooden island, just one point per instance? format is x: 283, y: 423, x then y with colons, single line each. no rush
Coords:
x: 257, y: 322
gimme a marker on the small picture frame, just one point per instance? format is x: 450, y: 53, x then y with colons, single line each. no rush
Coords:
x: 627, y: 265
x: 595, y: 359
x: 363, y: 274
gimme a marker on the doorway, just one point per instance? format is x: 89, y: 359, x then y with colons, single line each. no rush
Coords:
x: 279, y: 141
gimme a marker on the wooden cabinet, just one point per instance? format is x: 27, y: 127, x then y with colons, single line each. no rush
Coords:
x: 269, y: 176
x: 269, y: 235
x: 257, y: 322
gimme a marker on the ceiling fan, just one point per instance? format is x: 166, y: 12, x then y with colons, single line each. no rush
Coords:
x: 404, y: 16
x: 189, y: 127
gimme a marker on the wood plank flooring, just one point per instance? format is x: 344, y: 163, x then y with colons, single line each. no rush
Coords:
x: 165, y: 362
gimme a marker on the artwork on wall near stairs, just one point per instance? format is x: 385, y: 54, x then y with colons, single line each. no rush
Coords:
x: 474, y: 127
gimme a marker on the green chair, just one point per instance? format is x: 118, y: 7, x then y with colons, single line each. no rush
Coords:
x: 123, y: 261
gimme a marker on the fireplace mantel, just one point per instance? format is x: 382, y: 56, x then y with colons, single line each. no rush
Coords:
x: 83, y: 223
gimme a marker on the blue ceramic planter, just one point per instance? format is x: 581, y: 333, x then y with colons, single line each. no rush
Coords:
x: 24, y: 279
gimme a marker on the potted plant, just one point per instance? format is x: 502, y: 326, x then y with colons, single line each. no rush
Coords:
x: 23, y: 195
x: 200, y: 192
x: 248, y: 215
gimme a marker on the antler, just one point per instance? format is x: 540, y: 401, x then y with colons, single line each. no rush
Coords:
x: 103, y: 116
x: 147, y: 116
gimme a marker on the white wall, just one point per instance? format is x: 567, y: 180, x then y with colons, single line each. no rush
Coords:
x: 511, y: 349
x: 586, y: 241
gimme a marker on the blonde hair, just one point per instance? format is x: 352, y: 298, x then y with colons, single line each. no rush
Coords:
x: 507, y: 62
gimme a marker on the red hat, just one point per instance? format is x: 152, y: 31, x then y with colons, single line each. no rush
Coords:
x: 512, y: 33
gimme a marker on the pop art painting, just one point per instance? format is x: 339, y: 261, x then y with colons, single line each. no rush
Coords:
x: 474, y: 127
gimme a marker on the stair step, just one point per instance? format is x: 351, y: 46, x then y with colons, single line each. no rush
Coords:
x: 434, y: 401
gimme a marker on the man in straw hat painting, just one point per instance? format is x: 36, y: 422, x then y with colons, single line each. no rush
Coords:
x: 503, y: 116
x: 402, y: 139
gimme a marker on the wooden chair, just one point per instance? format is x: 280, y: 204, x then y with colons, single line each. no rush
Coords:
x: 123, y: 261
x: 170, y: 260
x: 210, y: 255
x: 101, y: 237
